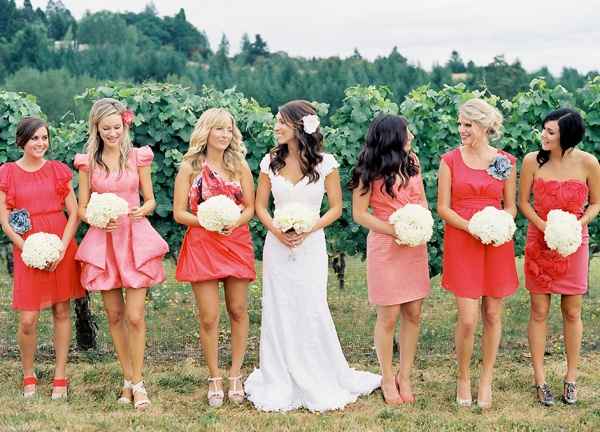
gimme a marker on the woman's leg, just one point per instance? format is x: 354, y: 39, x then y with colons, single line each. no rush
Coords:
x: 536, y: 331
x: 464, y: 337
x: 27, y: 339
x: 408, y: 337
x: 61, y: 314
x: 491, y: 310
x: 385, y: 326
x: 207, y: 302
x: 236, y: 299
x: 570, y: 306
x: 136, y: 326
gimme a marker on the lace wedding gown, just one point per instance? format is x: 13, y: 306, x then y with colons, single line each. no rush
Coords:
x: 301, y: 361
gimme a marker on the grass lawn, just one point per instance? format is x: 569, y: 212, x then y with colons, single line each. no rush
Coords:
x: 176, y: 377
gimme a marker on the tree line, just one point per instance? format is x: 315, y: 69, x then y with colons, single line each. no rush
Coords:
x: 50, y: 54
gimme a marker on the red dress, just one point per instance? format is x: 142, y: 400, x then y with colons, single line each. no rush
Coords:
x: 43, y: 194
x: 207, y: 255
x: 546, y: 271
x: 470, y: 268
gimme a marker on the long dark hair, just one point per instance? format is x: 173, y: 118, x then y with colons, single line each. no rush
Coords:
x: 383, y: 156
x: 310, y: 146
x: 570, y: 127
x: 27, y: 128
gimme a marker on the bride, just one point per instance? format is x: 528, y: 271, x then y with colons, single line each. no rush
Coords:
x: 301, y: 361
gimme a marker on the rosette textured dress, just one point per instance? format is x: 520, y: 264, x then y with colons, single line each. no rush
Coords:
x: 208, y: 255
x: 470, y: 268
x: 43, y: 194
x: 546, y: 271
x: 301, y: 361
x: 395, y: 274
x: 132, y: 255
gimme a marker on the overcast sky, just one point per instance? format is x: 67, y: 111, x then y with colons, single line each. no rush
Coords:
x: 554, y: 33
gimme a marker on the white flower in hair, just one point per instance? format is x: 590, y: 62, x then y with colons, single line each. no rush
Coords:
x: 311, y: 123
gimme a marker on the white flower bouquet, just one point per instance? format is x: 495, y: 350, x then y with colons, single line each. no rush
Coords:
x: 41, y: 249
x: 217, y: 213
x: 104, y: 207
x: 295, y: 216
x: 492, y: 226
x: 413, y: 225
x: 563, y: 232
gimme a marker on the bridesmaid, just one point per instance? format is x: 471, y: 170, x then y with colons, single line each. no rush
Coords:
x: 471, y: 177
x: 215, y: 165
x: 387, y: 177
x: 43, y: 188
x: 560, y: 176
x: 126, y: 255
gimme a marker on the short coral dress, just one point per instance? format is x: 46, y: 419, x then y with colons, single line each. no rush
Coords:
x: 132, y: 255
x: 43, y: 194
x: 546, y: 271
x: 470, y: 268
x: 207, y: 255
x: 395, y: 274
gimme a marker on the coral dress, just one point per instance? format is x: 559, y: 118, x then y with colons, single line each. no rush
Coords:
x: 132, y: 255
x: 470, y: 268
x: 546, y: 271
x: 207, y: 255
x: 395, y: 274
x: 43, y: 194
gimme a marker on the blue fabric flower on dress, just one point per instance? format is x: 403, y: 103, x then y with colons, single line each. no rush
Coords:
x: 500, y: 168
x: 19, y: 221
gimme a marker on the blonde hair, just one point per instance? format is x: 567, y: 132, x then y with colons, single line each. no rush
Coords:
x: 101, y: 109
x: 485, y: 115
x: 234, y: 154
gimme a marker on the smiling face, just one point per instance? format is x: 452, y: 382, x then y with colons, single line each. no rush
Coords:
x: 471, y: 133
x: 111, y: 130
x: 284, y: 133
x: 37, y: 145
x: 219, y: 137
x: 551, y: 136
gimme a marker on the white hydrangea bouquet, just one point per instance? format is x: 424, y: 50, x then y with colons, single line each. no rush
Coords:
x: 104, y: 207
x: 41, y: 249
x: 413, y: 225
x: 295, y: 216
x: 563, y: 232
x: 492, y: 226
x: 217, y: 213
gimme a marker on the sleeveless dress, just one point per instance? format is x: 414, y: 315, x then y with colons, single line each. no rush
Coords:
x: 132, y: 255
x: 395, y: 274
x: 207, y: 255
x: 470, y: 268
x: 546, y: 271
x: 43, y: 194
x: 301, y: 361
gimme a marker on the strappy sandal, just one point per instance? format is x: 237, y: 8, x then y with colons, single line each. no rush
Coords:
x: 465, y: 403
x: 143, y: 402
x: 215, y: 397
x: 124, y: 399
x: 544, y: 394
x: 236, y: 396
x: 569, y: 395
x: 31, y: 382
x: 60, y: 388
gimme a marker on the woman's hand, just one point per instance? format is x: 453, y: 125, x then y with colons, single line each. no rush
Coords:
x: 112, y: 225
x: 55, y: 264
x: 19, y: 242
x: 228, y: 230
x: 297, y: 239
x: 284, y: 238
x: 137, y: 213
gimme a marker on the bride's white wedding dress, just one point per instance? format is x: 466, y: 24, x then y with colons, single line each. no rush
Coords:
x: 301, y: 361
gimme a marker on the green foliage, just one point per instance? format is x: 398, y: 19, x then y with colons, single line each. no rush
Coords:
x: 13, y: 106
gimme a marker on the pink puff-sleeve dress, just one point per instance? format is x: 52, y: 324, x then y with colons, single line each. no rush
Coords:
x: 132, y: 255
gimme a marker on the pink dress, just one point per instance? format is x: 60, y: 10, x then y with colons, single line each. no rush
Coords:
x: 132, y: 255
x: 43, y: 194
x: 207, y: 255
x: 546, y: 271
x: 395, y: 274
x: 471, y: 269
